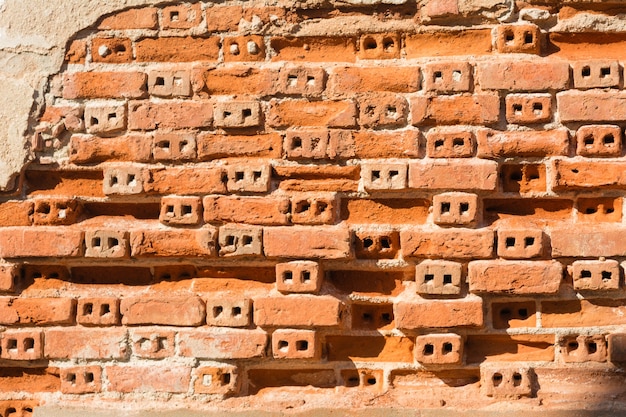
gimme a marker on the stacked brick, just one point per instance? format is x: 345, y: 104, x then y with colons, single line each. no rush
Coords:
x: 218, y: 213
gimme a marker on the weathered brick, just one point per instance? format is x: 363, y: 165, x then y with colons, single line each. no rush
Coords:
x: 497, y: 144
x: 599, y: 140
x: 379, y: 46
x: 85, y: 343
x: 37, y: 311
x: 524, y: 75
x: 301, y: 81
x: 528, y: 108
x: 239, y: 80
x: 16, y: 242
x: 587, y: 240
x: 345, y: 81
x: 185, y: 180
x: 448, y: 43
x: 453, y: 174
x: 141, y: 18
x: 249, y: 210
x: 213, y: 146
x: 515, y: 277
x: 474, y: 109
x: 295, y: 311
x: 370, y: 349
x: 173, y: 311
x: 88, y: 149
x: 450, y: 143
x: 596, y: 74
x: 295, y: 344
x: 386, y: 144
x: 86, y: 85
x: 81, y: 379
x: 174, y: 146
x: 447, y: 243
x: 591, y: 106
x: 518, y: 38
x: 448, y: 77
x: 148, y: 379
x: 314, y: 49
x: 111, y: 50
x: 177, y: 49
x: 174, y: 243
x: 100, y: 311
x: 57, y: 211
x: 16, y: 213
x: 22, y: 345
x: 325, y: 242
x: 244, y: 48
x: 147, y: 115
x: 222, y: 343
x: 583, y: 313
x: 587, y: 173
x: 287, y: 113
x: 181, y: 16
x: 439, y: 313
x: 153, y: 342
x: 382, y: 110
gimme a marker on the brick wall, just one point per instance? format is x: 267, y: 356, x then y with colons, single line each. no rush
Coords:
x: 288, y: 207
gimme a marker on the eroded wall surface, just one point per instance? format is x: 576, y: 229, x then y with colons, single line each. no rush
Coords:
x: 247, y: 206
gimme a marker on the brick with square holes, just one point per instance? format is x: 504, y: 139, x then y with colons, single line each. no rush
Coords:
x: 456, y: 209
x: 448, y: 77
x: 383, y: 176
x: 174, y: 146
x: 176, y: 210
x: 228, y: 311
x: 450, y: 143
x: 372, y: 316
x: 98, y: 311
x: 169, y: 83
x: 376, y: 244
x: 105, y: 118
x: 438, y: 277
x: 528, y: 108
x: 525, y: 39
x: 295, y: 344
x: 307, y: 144
x: 314, y: 208
x: 520, y: 243
x: 379, y: 110
x: 439, y: 349
x: 599, y: 209
x: 123, y: 179
x: 81, y: 379
x: 371, y: 379
x: 244, y: 48
x: 153, y: 343
x: 514, y: 314
x: 379, y: 46
x: 299, y: 277
x: 596, y: 275
x: 106, y: 243
x: 237, y: 114
x: 223, y: 379
x: 599, y: 140
x: 57, y: 211
x: 21, y: 345
x: 507, y: 381
x: 583, y: 348
x: 523, y: 178
x: 301, y: 81
x: 596, y: 73
x: 182, y: 16
x: 253, y: 178
x: 237, y: 240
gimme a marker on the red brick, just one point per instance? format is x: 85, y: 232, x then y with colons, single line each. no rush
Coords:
x: 439, y: 313
x: 450, y: 142
x: 76, y: 52
x: 146, y: 115
x: 174, y: 243
x: 518, y: 39
x: 438, y: 349
x: 84, y: 85
x: 299, y: 277
x: 447, y: 243
x: 177, y: 49
x: 453, y: 174
x: 287, y: 113
x: 528, y: 108
x: 296, y: 344
x: 596, y: 275
x: 457, y: 109
x: 250, y: 210
x: 213, y: 146
x: 102, y: 311
x: 382, y: 110
x: 326, y: 242
x: 81, y: 379
x: 239, y: 80
x: 448, y: 43
x: 524, y: 75
x: 142, y: 18
x: 244, y: 48
x: 587, y: 173
x: 222, y: 343
x: 10, y: 276
x: 147, y: 379
x: 187, y: 180
x: 588, y: 241
x: 169, y: 82
x: 583, y: 313
x: 448, y: 77
x: 509, y: 348
x: 301, y: 81
x: 295, y: 311
x: 37, y: 311
x: 173, y: 311
x: 345, y: 81
x: 43, y: 241
x: 224, y: 310
x: 396, y: 144
x: 520, y: 243
x: 22, y: 345
x: 16, y: 213
x: 174, y: 146
x: 181, y: 16
x: 370, y: 349
x: 111, y: 50
x: 314, y: 49
x: 88, y: 149
x: 106, y: 243
x: 57, y: 211
x: 376, y: 244
x: 596, y: 74
x: 154, y: 343
x: 85, y: 343
x: 223, y: 18
x: 591, y: 106
x: 515, y: 277
x: 180, y: 210
x: 222, y: 380
x: 380, y: 46
x: 497, y: 144
x: 599, y: 140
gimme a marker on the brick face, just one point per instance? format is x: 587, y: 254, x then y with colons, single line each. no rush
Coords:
x: 346, y: 202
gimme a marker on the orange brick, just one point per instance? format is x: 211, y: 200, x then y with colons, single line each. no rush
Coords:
x: 588, y: 240
x: 251, y: 210
x: 583, y: 313
x: 295, y: 311
x: 111, y: 50
x: 448, y: 43
x: 76, y: 52
x: 345, y: 81
x: 509, y: 348
x: 370, y: 348
x: 147, y: 115
x: 244, y: 48
x: 213, y: 146
x: 80, y: 85
x: 239, y: 80
x: 16, y: 213
x: 173, y: 311
x: 177, y: 49
x: 447, y: 243
x: 515, y: 277
x: 148, y: 379
x: 85, y: 343
x: 587, y: 173
x: 324, y: 242
x: 142, y: 18
x: 222, y: 343
x: 37, y: 311
x: 456, y: 174
x: 287, y: 113
x: 181, y: 16
x: 439, y: 313
x: 314, y: 49
x: 525, y: 75
x: 223, y: 18
x: 474, y: 109
x: 591, y: 106
x: 189, y: 180
x: 379, y: 46
x: 40, y: 242
x: 174, y: 243
x: 88, y: 149
x: 496, y: 144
